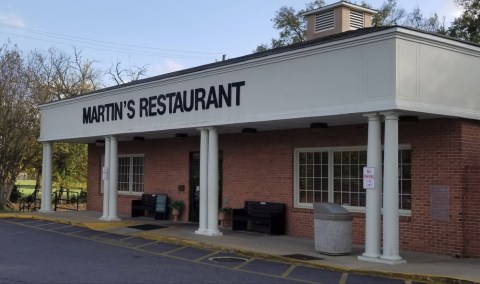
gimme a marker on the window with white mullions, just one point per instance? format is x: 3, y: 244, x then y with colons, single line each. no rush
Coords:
x: 348, y: 177
x: 336, y: 175
x: 130, y: 174
x: 313, y: 177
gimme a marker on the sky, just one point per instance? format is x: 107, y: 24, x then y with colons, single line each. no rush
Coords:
x: 164, y: 36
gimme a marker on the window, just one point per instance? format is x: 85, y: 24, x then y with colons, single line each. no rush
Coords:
x: 336, y: 175
x: 313, y: 177
x: 130, y: 174
x: 348, y: 177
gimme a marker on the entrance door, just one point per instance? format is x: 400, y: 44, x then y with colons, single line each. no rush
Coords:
x: 194, y: 209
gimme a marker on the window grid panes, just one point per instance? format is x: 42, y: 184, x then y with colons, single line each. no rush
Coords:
x: 123, y: 173
x: 405, y: 179
x: 313, y: 177
x: 137, y: 181
x: 346, y: 184
x: 348, y: 177
x: 130, y: 173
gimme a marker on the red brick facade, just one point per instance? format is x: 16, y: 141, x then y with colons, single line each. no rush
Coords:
x: 445, y: 152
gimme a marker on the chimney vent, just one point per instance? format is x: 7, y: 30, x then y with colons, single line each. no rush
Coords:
x: 336, y: 18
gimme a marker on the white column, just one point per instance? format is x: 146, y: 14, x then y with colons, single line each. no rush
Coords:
x: 106, y: 183
x: 203, y: 221
x: 212, y: 225
x: 374, y: 201
x: 46, y: 204
x: 42, y: 201
x: 390, y: 192
x: 113, y: 181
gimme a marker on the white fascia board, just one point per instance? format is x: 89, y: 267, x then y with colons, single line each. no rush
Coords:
x: 457, y: 45
x: 437, y: 109
x: 301, y: 52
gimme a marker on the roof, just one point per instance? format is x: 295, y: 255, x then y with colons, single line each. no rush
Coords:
x: 279, y: 50
x: 338, y: 4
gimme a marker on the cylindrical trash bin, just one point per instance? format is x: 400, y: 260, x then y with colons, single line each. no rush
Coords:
x: 333, y: 229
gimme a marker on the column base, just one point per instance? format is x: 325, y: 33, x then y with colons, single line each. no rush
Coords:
x: 200, y: 232
x: 111, y: 219
x: 213, y: 233
x: 392, y: 259
x: 381, y: 260
x: 368, y: 256
x: 46, y: 211
x: 103, y: 218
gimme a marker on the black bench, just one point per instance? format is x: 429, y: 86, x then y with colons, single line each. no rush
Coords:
x: 261, y: 217
x: 151, y: 205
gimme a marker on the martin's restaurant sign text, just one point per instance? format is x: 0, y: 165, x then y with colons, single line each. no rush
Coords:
x: 175, y: 102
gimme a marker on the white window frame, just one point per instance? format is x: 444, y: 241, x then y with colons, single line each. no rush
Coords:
x: 331, y: 150
x: 130, y: 186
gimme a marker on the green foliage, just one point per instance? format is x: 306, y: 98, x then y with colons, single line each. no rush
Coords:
x: 82, y: 196
x: 389, y: 14
x: 15, y: 195
x: 467, y: 26
x: 291, y: 25
x: 69, y: 165
x: 177, y: 204
x: 19, y: 123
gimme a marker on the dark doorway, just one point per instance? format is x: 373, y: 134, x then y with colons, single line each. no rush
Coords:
x: 194, y: 209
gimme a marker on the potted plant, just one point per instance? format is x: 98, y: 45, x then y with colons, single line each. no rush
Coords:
x: 224, y: 214
x: 176, y: 207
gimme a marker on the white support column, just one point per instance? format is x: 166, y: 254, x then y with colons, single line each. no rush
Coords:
x: 203, y: 221
x: 390, y: 192
x: 113, y: 180
x: 46, y: 204
x: 42, y: 201
x: 105, y: 180
x: 212, y: 225
x: 374, y: 201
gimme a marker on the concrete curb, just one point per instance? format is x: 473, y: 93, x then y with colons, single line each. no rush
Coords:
x: 104, y: 226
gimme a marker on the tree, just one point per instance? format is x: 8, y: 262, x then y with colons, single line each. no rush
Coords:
x: 18, y: 127
x: 122, y: 75
x: 389, y: 14
x: 467, y: 26
x: 291, y: 25
x: 56, y: 75
x: 416, y: 20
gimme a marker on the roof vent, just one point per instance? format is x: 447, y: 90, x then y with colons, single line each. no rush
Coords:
x: 336, y: 18
x: 324, y: 21
x: 356, y: 20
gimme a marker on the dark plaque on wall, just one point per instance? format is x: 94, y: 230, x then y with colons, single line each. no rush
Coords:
x: 439, y: 199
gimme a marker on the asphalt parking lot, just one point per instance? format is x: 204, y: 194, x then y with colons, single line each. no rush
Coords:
x: 38, y: 251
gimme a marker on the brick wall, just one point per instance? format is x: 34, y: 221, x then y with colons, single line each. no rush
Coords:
x: 260, y: 167
x: 471, y: 146
x: 166, y: 166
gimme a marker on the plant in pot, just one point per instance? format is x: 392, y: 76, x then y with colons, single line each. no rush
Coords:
x: 176, y: 207
x: 224, y: 214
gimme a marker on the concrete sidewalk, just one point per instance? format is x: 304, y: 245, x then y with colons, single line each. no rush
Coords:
x: 419, y: 267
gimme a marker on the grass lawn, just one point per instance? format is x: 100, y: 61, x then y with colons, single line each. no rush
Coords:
x: 26, y: 187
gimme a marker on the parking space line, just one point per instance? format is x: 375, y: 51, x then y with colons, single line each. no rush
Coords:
x: 343, y: 279
x: 288, y: 271
x: 206, y: 256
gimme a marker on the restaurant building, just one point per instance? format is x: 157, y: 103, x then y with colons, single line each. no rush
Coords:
x: 297, y: 125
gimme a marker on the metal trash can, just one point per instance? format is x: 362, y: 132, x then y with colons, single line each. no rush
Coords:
x: 333, y: 229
